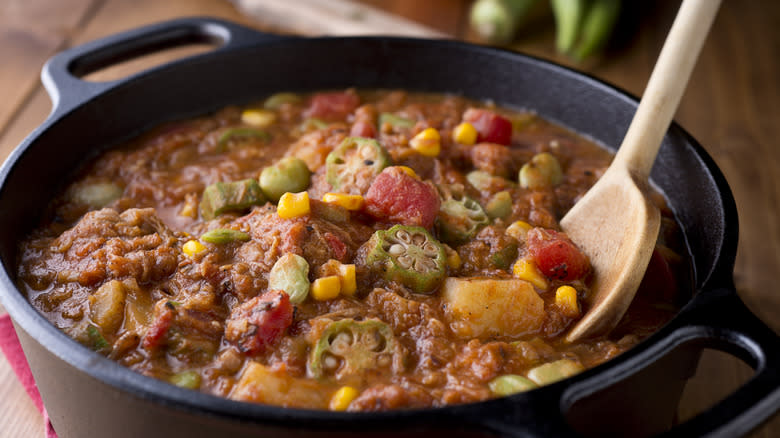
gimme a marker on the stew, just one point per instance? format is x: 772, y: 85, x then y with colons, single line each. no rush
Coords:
x: 338, y: 250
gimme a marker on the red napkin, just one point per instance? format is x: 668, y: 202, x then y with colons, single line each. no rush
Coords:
x: 10, y: 346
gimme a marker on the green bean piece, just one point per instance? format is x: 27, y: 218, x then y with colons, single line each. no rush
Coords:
x: 290, y: 174
x: 291, y: 274
x: 275, y: 101
x: 347, y: 348
x: 460, y: 219
x: 543, y: 171
x: 497, y: 21
x: 221, y: 236
x: 222, y: 197
x: 568, y: 18
x: 186, y: 379
x: 554, y: 371
x: 407, y: 255
x: 96, y: 340
x: 352, y: 166
x: 597, y: 27
x: 239, y: 134
x: 509, y: 384
x: 500, y: 205
x: 97, y: 195
x: 395, y: 121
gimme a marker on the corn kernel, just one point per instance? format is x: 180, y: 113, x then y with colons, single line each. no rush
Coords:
x: 409, y: 171
x: 348, y: 279
x: 342, y: 398
x: 292, y: 205
x: 519, y: 230
x: 566, y: 300
x: 326, y: 288
x: 192, y: 248
x: 453, y: 258
x: 525, y: 269
x: 427, y: 143
x: 465, y: 133
x: 350, y: 202
x: 259, y: 118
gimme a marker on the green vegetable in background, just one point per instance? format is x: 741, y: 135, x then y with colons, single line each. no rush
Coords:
x: 497, y: 21
x: 597, y: 27
x: 568, y: 18
x: 582, y: 26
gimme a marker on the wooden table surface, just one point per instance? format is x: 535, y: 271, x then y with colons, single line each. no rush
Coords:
x: 732, y: 106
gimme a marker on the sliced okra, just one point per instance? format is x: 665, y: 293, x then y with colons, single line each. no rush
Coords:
x: 408, y: 255
x: 459, y: 219
x: 348, y: 348
x: 352, y: 166
x: 239, y: 134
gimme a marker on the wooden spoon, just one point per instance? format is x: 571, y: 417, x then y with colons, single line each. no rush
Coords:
x: 615, y: 223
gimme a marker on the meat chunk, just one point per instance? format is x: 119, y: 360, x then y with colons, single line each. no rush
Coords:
x: 387, y: 397
x: 106, y: 245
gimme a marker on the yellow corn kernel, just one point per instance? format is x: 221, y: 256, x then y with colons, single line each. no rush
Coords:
x: 350, y: 202
x: 465, y: 133
x: 427, y: 143
x: 192, y: 248
x: 342, y: 398
x: 409, y: 171
x: 525, y: 269
x: 566, y: 300
x: 348, y: 279
x: 519, y: 230
x: 326, y: 288
x: 453, y: 258
x: 258, y: 117
x: 292, y: 205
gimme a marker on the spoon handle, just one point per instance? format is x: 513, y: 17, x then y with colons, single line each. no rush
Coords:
x: 666, y: 86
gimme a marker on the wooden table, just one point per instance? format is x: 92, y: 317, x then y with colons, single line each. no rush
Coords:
x: 732, y: 107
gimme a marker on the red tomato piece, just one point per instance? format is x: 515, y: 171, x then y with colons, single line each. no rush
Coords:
x: 259, y: 322
x: 333, y: 105
x: 396, y: 196
x: 556, y: 255
x: 363, y: 128
x: 337, y: 248
x: 490, y: 127
x: 162, y: 322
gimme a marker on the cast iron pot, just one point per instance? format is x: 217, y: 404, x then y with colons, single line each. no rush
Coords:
x: 635, y: 394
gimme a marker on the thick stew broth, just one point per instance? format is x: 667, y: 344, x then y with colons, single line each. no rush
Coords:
x: 339, y: 250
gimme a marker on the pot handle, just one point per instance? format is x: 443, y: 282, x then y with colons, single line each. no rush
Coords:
x: 723, y: 322
x: 61, y: 74
x: 715, y: 319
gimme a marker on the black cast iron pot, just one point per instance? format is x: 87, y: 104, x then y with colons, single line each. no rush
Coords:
x: 635, y: 394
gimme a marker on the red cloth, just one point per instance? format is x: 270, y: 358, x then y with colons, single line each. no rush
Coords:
x: 12, y: 350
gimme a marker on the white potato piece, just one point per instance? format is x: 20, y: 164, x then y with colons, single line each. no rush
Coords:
x: 261, y: 384
x: 485, y: 307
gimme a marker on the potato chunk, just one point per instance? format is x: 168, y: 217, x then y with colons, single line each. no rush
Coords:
x: 482, y: 307
x: 261, y: 384
x: 107, y: 306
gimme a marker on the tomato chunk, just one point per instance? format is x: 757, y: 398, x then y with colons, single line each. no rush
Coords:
x: 362, y: 128
x: 259, y: 322
x: 395, y: 196
x: 333, y: 105
x: 156, y: 334
x: 556, y: 255
x: 491, y: 127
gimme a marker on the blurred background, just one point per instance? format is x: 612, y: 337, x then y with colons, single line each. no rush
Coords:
x: 732, y: 105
